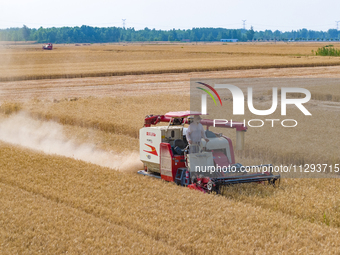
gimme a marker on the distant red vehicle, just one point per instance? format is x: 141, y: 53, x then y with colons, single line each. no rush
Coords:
x: 48, y: 46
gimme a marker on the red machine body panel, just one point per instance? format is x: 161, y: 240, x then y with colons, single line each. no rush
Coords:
x: 169, y: 163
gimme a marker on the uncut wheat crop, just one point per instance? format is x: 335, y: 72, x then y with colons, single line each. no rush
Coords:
x: 68, y: 61
x: 261, y: 147
x: 114, y: 115
x: 52, y: 204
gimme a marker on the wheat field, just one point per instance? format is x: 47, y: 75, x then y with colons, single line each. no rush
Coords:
x: 120, y: 116
x: 52, y: 204
x: 69, y: 61
x: 319, y: 93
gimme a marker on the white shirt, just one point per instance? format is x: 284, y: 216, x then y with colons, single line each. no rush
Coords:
x: 195, y: 132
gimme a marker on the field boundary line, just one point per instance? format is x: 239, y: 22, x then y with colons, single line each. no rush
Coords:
x: 164, y: 71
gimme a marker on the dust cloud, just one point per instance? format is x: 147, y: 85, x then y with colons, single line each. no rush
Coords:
x: 48, y: 137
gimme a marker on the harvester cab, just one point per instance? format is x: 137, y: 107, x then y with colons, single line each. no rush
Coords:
x: 165, y: 153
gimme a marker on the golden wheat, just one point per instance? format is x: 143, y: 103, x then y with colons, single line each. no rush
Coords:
x: 53, y: 204
x: 34, y: 223
x: 31, y: 62
x: 10, y: 107
x: 123, y: 115
x: 126, y: 115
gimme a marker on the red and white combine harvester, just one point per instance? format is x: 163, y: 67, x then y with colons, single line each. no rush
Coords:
x: 165, y: 154
x: 48, y: 46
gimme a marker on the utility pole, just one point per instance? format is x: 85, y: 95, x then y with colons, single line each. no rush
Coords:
x: 123, y: 23
x: 244, y: 24
x: 337, y: 24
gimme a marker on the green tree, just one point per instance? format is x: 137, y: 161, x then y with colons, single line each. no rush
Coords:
x: 333, y: 33
x: 210, y: 37
x: 303, y: 33
x: 250, y: 34
x: 277, y: 35
x: 25, y: 32
x: 174, y: 35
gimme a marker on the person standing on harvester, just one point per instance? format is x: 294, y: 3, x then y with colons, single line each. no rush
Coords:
x: 194, y: 134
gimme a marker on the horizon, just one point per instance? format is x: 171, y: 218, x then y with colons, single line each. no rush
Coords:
x: 160, y: 15
x: 262, y: 30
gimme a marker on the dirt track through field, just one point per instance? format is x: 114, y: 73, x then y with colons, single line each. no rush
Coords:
x: 140, y: 84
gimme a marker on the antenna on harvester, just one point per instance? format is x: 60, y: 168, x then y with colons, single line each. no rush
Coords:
x: 244, y: 24
x: 337, y: 24
x: 123, y: 23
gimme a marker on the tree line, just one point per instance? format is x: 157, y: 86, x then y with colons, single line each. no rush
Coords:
x: 88, y: 34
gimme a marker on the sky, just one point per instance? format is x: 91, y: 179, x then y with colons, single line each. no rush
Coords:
x: 284, y: 15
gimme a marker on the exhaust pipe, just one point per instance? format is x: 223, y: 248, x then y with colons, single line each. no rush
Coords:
x: 240, y: 140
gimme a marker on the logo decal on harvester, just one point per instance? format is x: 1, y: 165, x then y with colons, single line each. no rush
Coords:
x: 150, y: 134
x: 153, y: 150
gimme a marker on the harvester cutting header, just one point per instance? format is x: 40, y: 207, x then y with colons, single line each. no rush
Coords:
x: 167, y: 152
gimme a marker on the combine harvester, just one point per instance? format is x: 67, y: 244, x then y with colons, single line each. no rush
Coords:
x: 48, y: 46
x: 165, y: 155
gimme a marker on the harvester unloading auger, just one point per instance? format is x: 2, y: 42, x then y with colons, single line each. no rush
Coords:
x: 165, y: 155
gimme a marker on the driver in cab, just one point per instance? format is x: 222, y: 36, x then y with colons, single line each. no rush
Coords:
x: 194, y: 134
